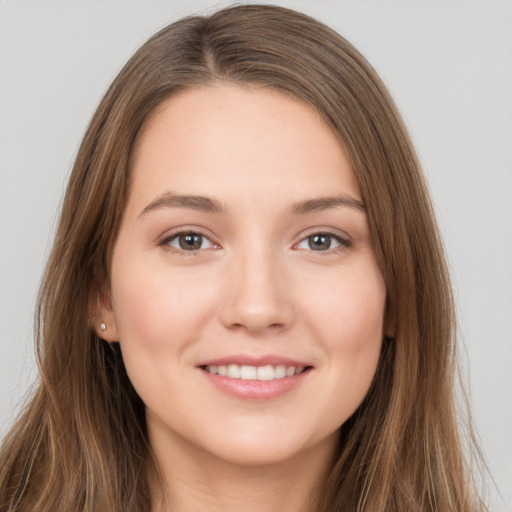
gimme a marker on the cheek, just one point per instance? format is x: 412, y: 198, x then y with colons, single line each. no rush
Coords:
x: 155, y: 309
x: 349, y: 308
x: 159, y: 315
x: 347, y: 320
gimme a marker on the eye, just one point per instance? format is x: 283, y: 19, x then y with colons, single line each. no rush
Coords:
x: 188, y: 241
x: 322, y: 242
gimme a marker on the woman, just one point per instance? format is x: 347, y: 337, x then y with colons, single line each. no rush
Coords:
x: 247, y: 304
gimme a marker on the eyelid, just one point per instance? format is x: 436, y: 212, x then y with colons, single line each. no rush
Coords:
x: 344, y: 240
x: 165, y: 240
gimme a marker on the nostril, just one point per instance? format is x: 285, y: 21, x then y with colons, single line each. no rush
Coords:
x: 274, y: 326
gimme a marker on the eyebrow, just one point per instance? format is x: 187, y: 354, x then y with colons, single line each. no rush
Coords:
x: 171, y: 200
x: 324, y: 203
x: 208, y: 205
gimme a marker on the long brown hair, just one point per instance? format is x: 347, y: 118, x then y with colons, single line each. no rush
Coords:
x: 81, y: 442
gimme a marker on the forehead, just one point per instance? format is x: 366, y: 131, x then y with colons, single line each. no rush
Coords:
x: 225, y: 139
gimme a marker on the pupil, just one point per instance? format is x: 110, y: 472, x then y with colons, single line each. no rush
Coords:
x: 190, y: 241
x: 319, y: 242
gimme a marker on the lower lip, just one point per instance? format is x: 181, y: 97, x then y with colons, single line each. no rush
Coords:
x: 256, y: 389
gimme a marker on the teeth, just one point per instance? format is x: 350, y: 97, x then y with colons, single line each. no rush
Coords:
x: 248, y: 372
x: 280, y: 371
x: 233, y: 371
x: 268, y: 372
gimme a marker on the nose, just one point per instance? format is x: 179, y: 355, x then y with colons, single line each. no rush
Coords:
x: 257, y: 297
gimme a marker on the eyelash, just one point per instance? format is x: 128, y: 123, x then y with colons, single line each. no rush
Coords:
x: 165, y: 243
x: 344, y: 243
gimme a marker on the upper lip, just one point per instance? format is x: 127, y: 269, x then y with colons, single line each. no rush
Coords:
x: 249, y: 360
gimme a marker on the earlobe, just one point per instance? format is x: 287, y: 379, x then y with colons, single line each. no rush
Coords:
x: 105, y: 332
x: 103, y: 318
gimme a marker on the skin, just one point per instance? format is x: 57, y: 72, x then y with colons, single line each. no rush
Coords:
x: 255, y: 287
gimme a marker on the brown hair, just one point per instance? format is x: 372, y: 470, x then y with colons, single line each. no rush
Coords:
x: 81, y: 442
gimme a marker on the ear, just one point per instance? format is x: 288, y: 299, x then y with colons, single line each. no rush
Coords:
x: 103, y: 318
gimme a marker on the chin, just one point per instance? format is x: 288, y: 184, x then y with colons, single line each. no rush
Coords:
x: 266, y: 447
x: 244, y: 456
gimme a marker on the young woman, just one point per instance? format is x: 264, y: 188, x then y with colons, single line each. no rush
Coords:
x: 247, y: 305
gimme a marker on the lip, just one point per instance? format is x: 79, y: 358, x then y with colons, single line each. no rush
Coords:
x: 255, y: 390
x: 249, y: 360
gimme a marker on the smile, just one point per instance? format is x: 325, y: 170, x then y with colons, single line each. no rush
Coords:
x: 263, y: 373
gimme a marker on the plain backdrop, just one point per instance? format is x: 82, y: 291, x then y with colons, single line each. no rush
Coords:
x: 448, y: 64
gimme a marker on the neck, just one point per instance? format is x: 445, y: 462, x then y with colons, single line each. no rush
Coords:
x: 193, y: 480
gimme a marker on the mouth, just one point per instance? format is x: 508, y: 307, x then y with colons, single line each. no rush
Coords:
x: 256, y: 378
x: 261, y: 373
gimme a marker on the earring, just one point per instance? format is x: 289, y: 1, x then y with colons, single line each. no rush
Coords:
x: 103, y: 327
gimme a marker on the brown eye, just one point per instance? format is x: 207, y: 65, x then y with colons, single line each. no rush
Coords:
x: 190, y: 241
x: 319, y: 242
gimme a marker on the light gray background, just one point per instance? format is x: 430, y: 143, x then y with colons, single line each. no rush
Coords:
x: 448, y: 65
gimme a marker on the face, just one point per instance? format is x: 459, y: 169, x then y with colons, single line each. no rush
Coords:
x: 245, y: 291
